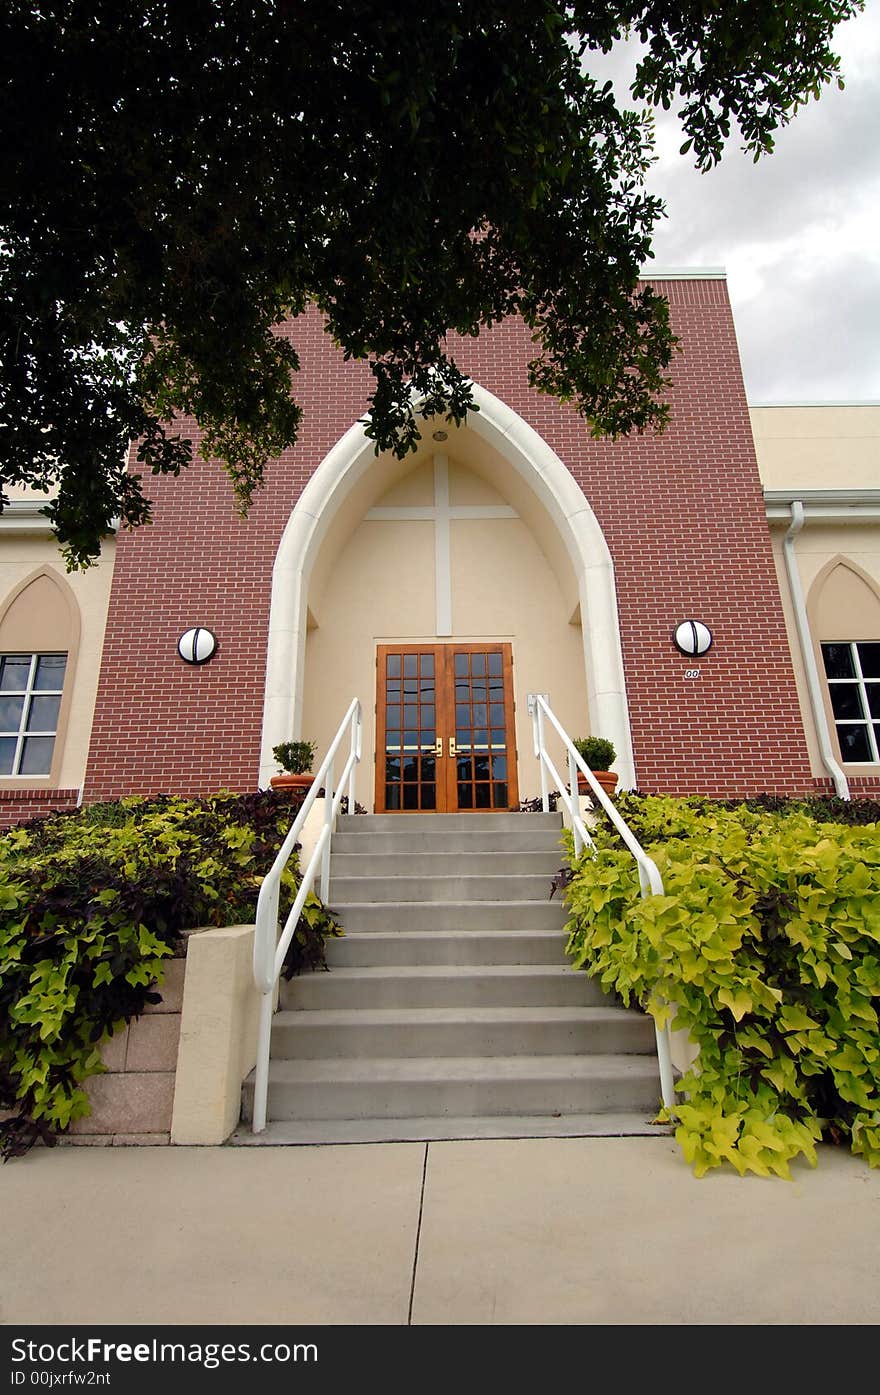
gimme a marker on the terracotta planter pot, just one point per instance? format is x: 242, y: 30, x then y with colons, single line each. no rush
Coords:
x: 292, y: 783
x: 606, y: 778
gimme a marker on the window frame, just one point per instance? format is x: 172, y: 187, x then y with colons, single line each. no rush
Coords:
x: 859, y: 682
x: 28, y: 693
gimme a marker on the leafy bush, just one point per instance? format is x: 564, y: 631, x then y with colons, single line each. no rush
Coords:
x: 597, y: 751
x: 92, y: 903
x: 295, y: 757
x: 766, y: 948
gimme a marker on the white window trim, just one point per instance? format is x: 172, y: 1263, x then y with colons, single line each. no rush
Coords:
x: 860, y: 682
x: 24, y: 733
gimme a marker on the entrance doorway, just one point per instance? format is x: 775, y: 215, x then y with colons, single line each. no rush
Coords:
x: 445, y: 728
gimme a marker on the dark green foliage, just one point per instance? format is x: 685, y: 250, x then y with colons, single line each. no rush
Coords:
x: 178, y: 179
x: 295, y: 756
x: 597, y: 751
x: 92, y: 903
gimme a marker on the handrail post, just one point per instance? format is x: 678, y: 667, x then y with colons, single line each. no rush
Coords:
x: 328, y: 824
x: 572, y: 788
x: 355, y: 751
x: 261, y: 1079
x: 542, y: 746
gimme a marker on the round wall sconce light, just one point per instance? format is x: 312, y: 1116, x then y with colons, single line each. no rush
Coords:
x: 196, y: 646
x: 441, y: 435
x: 692, y: 637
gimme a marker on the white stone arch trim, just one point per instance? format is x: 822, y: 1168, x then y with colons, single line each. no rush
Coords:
x: 544, y: 473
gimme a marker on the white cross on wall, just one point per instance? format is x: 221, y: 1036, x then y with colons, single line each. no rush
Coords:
x: 441, y: 513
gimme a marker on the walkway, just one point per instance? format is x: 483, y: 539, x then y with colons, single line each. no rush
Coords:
x: 580, y: 1231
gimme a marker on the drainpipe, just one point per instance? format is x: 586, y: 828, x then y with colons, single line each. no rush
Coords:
x: 805, y: 640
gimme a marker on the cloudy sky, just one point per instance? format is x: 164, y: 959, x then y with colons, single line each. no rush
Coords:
x: 798, y: 234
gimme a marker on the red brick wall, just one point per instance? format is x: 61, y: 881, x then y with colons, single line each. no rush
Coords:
x: 17, y: 806
x: 684, y: 520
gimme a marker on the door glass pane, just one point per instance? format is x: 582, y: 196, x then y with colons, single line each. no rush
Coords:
x: 392, y: 715
x: 411, y: 770
x: 462, y: 715
x: 500, y: 792
x: 392, y: 797
x: 410, y: 719
x: 499, y: 768
x: 410, y: 665
x: 392, y: 665
x: 410, y: 687
x: 478, y: 664
x: 429, y: 766
x: 479, y: 718
x: 481, y: 737
x: 461, y: 665
x: 465, y: 768
x: 483, y: 796
x: 496, y: 713
x: 427, y: 665
x: 465, y: 796
x: 481, y: 767
x: 410, y: 796
x: 429, y: 796
x: 495, y: 665
x: 392, y: 769
x: 427, y: 716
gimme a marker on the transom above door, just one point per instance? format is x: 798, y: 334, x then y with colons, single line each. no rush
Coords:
x: 445, y: 728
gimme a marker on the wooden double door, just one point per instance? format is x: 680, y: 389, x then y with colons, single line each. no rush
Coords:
x: 445, y: 737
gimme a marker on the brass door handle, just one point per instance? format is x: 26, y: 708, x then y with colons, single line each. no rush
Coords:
x: 453, y: 751
x: 438, y: 747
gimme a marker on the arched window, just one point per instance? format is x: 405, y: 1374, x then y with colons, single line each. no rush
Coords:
x: 845, y: 621
x: 39, y: 633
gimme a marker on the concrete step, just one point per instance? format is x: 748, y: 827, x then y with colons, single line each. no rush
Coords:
x: 485, y: 985
x: 381, y: 1088
x: 413, y: 837
x: 391, y: 916
x: 444, y: 864
x: 449, y: 888
x: 363, y: 949
x: 444, y: 823
x: 290, y: 1132
x: 420, y: 1032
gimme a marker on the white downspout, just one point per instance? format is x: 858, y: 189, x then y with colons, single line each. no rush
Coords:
x: 805, y: 640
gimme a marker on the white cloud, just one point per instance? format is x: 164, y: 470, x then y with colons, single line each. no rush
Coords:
x: 797, y: 232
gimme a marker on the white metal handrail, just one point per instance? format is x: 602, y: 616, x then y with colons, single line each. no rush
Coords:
x: 269, y: 947
x: 650, y: 881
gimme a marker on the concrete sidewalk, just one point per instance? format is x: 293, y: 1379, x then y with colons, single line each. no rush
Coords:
x: 543, y: 1231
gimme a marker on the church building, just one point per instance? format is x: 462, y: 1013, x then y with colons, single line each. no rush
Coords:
x: 707, y: 598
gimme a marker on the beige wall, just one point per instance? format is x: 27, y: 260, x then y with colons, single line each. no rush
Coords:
x: 818, y: 447
x: 839, y: 607
x: 374, y: 583
x: 41, y: 614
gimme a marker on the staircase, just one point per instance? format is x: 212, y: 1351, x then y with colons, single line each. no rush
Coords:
x: 450, y: 1010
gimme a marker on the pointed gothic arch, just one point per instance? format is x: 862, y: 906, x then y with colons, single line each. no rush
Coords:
x: 575, y: 524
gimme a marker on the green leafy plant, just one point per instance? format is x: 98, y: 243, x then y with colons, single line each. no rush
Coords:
x: 765, y: 949
x: 598, y: 752
x: 295, y: 757
x: 92, y: 904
